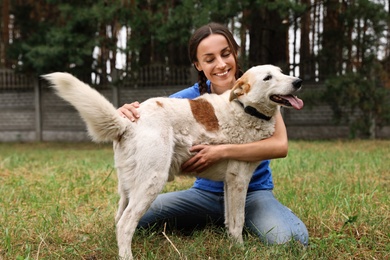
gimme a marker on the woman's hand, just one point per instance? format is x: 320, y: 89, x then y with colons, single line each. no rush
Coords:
x: 205, y: 156
x: 129, y: 111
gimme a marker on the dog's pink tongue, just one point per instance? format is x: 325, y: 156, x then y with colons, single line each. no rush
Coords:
x: 294, y: 101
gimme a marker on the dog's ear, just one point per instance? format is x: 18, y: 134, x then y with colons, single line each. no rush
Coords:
x: 240, y: 88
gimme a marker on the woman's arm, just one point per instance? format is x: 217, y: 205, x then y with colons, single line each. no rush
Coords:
x: 273, y: 147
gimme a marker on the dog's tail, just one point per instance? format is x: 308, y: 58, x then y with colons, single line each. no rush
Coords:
x: 103, y: 121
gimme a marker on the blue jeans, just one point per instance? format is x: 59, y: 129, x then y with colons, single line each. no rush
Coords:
x: 265, y: 216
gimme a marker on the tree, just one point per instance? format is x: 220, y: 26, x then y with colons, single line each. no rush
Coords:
x: 54, y: 37
x: 267, y: 24
x: 81, y: 36
x: 355, y: 90
x: 4, y: 38
x: 361, y: 102
x: 107, y: 15
x: 306, y: 68
x: 330, y: 57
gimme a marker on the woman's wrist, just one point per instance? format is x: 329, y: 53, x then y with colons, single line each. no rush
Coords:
x: 227, y: 151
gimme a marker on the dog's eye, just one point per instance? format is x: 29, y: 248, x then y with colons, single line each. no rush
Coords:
x: 267, y: 78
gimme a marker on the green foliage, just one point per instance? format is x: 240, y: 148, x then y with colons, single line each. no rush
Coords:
x: 352, y: 33
x: 56, y: 35
x: 61, y: 41
x: 372, y: 17
x: 359, y: 99
x: 355, y: 91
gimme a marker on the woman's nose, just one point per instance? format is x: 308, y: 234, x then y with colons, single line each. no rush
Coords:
x: 220, y: 62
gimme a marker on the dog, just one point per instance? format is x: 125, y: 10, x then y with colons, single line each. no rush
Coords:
x: 150, y: 152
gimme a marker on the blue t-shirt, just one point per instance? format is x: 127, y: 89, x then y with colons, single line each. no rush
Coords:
x: 262, y: 176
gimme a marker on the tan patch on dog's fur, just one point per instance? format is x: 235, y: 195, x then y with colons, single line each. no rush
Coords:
x: 204, y: 113
x: 159, y: 104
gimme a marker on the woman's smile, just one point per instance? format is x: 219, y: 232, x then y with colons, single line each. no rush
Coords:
x: 222, y: 73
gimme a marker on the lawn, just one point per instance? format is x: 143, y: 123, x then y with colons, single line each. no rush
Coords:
x: 58, y: 201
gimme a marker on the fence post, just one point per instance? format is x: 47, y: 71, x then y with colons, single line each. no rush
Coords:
x: 115, y: 96
x: 38, y: 110
x: 193, y: 76
x: 115, y: 88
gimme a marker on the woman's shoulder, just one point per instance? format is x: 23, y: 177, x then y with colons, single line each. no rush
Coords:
x: 190, y: 92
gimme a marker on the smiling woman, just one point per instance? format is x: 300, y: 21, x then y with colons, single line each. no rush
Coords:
x: 215, y: 59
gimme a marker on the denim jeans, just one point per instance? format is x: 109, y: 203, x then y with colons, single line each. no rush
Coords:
x: 265, y: 216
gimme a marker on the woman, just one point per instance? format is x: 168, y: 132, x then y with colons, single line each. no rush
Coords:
x: 213, y: 52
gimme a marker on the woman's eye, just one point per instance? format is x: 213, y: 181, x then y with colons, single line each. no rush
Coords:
x: 268, y: 77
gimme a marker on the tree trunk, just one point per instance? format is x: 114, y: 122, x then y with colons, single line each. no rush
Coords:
x: 305, y: 52
x: 269, y: 41
x: 4, y: 33
x: 331, y: 41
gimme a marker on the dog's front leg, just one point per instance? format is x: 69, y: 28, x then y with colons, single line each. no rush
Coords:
x: 236, y: 186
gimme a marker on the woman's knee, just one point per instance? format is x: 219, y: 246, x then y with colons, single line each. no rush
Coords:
x: 273, y: 222
x: 278, y: 236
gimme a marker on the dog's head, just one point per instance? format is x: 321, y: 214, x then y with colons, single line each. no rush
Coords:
x: 265, y: 87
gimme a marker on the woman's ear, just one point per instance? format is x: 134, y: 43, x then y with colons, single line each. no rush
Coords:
x: 197, y: 66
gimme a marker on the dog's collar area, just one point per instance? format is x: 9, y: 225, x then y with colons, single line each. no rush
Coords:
x: 253, y: 112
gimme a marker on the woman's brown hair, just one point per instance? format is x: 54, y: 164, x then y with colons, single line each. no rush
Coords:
x: 202, y: 33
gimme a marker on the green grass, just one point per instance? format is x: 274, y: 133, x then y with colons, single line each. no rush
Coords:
x: 58, y: 201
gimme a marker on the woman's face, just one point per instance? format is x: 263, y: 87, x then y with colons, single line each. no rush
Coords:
x: 216, y: 59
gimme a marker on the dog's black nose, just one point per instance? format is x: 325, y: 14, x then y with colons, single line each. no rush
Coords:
x: 297, y: 83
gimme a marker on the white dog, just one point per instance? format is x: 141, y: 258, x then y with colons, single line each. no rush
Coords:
x: 149, y: 153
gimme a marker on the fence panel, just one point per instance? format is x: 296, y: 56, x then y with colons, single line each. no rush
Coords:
x: 11, y: 80
x: 160, y: 75
x: 20, y: 114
